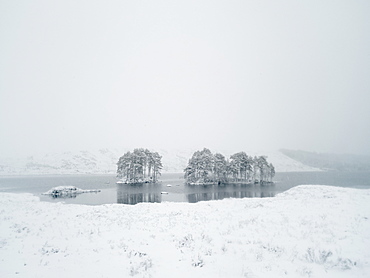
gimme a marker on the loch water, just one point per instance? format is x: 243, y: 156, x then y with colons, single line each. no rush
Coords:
x: 172, y: 187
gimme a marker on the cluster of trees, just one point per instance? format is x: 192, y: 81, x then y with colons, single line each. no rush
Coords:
x: 139, y: 166
x: 205, y: 167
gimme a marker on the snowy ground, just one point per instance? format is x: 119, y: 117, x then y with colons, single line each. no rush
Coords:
x: 308, y: 231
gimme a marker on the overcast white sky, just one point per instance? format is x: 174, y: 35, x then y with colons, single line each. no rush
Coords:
x: 241, y: 75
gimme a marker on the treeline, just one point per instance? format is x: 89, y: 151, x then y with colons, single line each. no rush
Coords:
x: 205, y: 167
x: 139, y: 166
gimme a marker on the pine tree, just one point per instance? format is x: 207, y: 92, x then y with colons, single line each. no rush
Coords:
x: 204, y: 167
x: 141, y: 165
x: 220, y: 168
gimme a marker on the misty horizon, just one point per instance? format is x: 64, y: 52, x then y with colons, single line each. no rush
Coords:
x: 122, y: 149
x: 245, y: 76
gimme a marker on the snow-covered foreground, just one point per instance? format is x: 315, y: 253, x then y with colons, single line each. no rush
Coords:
x: 308, y: 231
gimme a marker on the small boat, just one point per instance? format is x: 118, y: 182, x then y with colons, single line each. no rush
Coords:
x: 169, y: 185
x: 164, y: 192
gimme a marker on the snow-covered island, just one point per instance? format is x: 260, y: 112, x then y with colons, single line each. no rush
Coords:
x: 307, y: 231
x: 68, y: 191
x: 206, y: 168
x: 139, y: 166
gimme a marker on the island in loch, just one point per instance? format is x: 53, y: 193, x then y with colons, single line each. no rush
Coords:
x: 204, y: 168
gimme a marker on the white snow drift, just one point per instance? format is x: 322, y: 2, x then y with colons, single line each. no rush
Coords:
x: 308, y: 231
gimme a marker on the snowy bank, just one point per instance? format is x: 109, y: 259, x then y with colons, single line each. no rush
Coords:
x: 308, y: 231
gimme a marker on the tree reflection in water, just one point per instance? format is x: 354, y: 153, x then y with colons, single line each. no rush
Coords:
x: 197, y: 197
x: 219, y: 192
x: 133, y: 199
x: 151, y: 193
x: 132, y: 194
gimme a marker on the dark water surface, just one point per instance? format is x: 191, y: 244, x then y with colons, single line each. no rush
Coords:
x: 177, y: 192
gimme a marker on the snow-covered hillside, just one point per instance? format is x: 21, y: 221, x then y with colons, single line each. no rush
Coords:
x: 104, y: 161
x: 284, y: 163
x: 308, y: 231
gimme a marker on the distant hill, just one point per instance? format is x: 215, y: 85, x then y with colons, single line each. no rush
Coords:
x: 103, y: 161
x: 327, y: 161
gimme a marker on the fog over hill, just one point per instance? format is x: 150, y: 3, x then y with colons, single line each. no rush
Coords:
x: 103, y: 161
x: 330, y: 161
